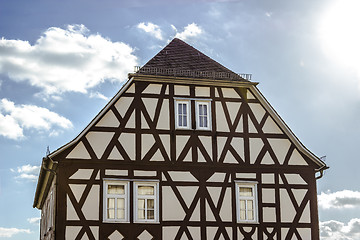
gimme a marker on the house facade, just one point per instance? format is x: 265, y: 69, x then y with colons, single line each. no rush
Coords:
x: 187, y: 149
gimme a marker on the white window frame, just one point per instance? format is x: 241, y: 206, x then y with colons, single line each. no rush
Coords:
x: 254, y: 198
x: 125, y: 196
x: 155, y: 184
x: 188, y: 115
x: 208, y: 114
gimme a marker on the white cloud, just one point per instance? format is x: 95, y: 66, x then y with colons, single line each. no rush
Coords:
x: 268, y: 14
x: 27, y: 172
x: 191, y: 30
x: 98, y: 95
x: 66, y: 60
x: 15, y: 118
x: 152, y: 29
x: 339, y: 200
x: 34, y: 220
x: 335, y: 230
x: 9, y: 232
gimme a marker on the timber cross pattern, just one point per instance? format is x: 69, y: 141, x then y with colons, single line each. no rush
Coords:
x: 196, y: 170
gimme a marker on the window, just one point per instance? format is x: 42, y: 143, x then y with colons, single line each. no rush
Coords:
x: 246, y: 196
x: 146, y: 202
x: 116, y: 201
x: 203, y: 115
x: 182, y: 114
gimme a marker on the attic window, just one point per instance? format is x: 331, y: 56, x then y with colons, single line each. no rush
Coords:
x: 182, y: 111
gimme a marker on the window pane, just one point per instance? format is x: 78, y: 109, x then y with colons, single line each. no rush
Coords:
x: 242, y: 215
x: 150, y: 214
x: 116, y: 189
x: 141, y: 214
x: 121, y: 214
x: 250, y: 205
x: 141, y: 203
x: 246, y: 191
x: 180, y: 121
x: 180, y: 109
x: 146, y: 190
x: 242, y: 205
x: 111, y: 213
x: 184, y: 109
x: 184, y: 121
x: 111, y: 202
x: 121, y: 203
x: 150, y: 203
x: 250, y: 215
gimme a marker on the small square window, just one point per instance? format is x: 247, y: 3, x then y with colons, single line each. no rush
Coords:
x: 203, y: 115
x: 182, y: 112
x: 116, y: 201
x: 246, y: 202
x: 146, y: 201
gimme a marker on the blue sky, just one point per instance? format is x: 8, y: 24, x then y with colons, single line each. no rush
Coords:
x: 61, y: 61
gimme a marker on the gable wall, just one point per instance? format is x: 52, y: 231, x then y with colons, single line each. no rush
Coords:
x: 197, y: 170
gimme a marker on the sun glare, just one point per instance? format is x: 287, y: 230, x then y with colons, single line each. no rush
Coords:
x: 340, y: 32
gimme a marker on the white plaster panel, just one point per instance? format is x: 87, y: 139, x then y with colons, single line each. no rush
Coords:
x: 306, y: 215
x: 79, y: 152
x: 127, y: 140
x: 195, y: 232
x: 297, y: 159
x: 229, y: 93
x: 123, y: 104
x: 71, y: 232
x: 238, y: 145
x: 150, y: 105
x: 268, y: 178
x: 250, y: 95
x: 271, y: 127
x: 85, y: 237
x: 209, y: 214
x: 240, y: 126
x: 157, y: 157
x: 252, y: 128
x: 280, y: 147
x: 246, y: 175
x: 116, y: 235
x: 82, y: 174
x: 139, y: 173
x: 108, y: 120
x: 257, y: 110
x: 181, y: 90
x: 195, y: 215
x: 233, y: 109
x: 95, y: 232
x: 256, y: 144
x: 178, y: 176
x: 131, y: 89
x: 214, y: 193
x: 144, y: 124
x: 305, y: 233
x: 153, y: 89
x: 165, y: 139
x: 91, y: 204
x: 99, y: 141
x: 116, y: 172
x: 268, y: 195
x: 170, y: 232
x: 299, y: 194
x: 220, y: 145
x: 269, y: 214
x: 287, y: 209
x: 70, y: 210
x: 226, y: 209
x: 210, y: 232
x: 229, y: 158
x: 164, y: 119
x: 188, y: 194
x: 115, y: 154
x: 294, y: 178
x: 145, y: 235
x: 202, y: 91
x: 267, y: 159
x: 217, y: 177
x: 201, y: 157
x: 77, y: 190
x: 180, y: 144
x: 221, y: 123
x: 172, y: 209
x: 284, y: 232
x: 131, y: 121
x: 147, y: 141
x: 207, y: 143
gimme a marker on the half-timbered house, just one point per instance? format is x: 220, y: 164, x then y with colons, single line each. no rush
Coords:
x: 187, y: 149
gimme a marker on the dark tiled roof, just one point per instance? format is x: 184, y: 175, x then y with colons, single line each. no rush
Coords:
x: 180, y: 59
